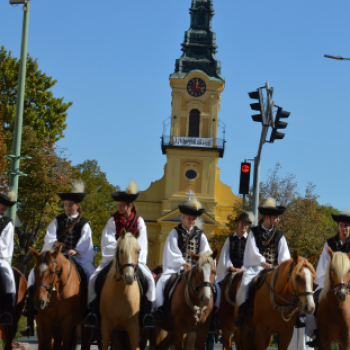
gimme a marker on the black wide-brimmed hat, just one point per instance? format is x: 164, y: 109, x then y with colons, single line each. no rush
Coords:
x: 77, y: 195
x: 270, y: 208
x: 246, y: 216
x: 342, y: 217
x: 127, y: 196
x: 193, y: 208
x: 7, y: 199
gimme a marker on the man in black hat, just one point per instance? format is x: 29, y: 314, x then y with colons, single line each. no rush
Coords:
x: 73, y: 233
x: 338, y: 243
x: 8, y: 298
x: 266, y: 247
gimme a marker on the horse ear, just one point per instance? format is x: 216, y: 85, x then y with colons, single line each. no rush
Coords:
x: 34, y: 252
x: 193, y: 255
x: 295, y: 256
x: 122, y: 233
x: 215, y: 254
x: 330, y: 252
x: 312, y: 259
x: 56, y: 252
x: 137, y: 233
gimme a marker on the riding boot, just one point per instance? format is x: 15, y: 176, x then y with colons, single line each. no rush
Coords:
x: 148, y: 318
x: 158, y: 314
x: 315, y: 343
x: 242, y: 312
x: 29, y: 330
x: 6, y: 309
x: 30, y: 313
x: 215, y: 324
x: 91, y: 320
x: 300, y: 321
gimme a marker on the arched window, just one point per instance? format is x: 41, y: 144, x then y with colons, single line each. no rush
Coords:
x: 193, y: 130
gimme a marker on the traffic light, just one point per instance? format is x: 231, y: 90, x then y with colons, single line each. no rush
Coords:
x: 258, y: 106
x: 244, y: 178
x: 275, y: 135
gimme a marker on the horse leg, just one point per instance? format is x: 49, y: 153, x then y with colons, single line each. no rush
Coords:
x: 227, y: 338
x: 44, y: 332
x: 179, y: 333
x: 284, y: 339
x: 261, y: 339
x: 201, y: 337
x: 134, y: 335
x: 106, y: 333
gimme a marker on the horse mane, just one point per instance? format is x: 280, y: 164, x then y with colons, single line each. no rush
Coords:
x: 303, y: 262
x: 125, y: 247
x: 341, y: 266
x: 205, y: 257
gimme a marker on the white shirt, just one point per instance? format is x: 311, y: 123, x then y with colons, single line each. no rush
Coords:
x: 6, y: 242
x: 322, y: 266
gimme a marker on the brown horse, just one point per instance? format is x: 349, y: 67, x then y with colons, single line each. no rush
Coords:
x: 9, y: 332
x: 286, y: 289
x: 192, y: 303
x: 333, y: 314
x: 227, y: 307
x: 120, y: 296
x: 57, y: 300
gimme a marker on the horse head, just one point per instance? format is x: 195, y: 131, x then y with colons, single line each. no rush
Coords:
x: 205, y: 271
x: 47, y: 274
x: 302, y: 275
x: 337, y: 275
x: 126, y: 257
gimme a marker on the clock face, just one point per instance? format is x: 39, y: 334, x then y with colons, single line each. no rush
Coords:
x: 196, y: 87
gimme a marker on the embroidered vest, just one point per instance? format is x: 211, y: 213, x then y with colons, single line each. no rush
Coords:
x: 237, y: 246
x: 336, y: 246
x: 269, y: 252
x: 3, y: 223
x: 70, y: 238
x: 192, y: 244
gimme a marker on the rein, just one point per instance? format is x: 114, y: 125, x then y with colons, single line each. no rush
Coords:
x: 228, y: 288
x: 51, y: 287
x: 122, y: 267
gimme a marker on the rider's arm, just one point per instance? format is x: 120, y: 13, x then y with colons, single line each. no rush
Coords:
x: 204, y: 245
x: 322, y: 266
x: 6, y: 243
x: 108, y: 240
x: 252, y: 256
x: 172, y: 256
x: 142, y: 241
x: 51, y: 235
x: 224, y: 262
x: 283, y: 251
x: 84, y: 247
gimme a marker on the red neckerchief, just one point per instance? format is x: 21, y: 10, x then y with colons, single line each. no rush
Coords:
x: 130, y: 224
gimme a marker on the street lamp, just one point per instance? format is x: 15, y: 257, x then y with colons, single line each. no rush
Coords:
x: 337, y: 57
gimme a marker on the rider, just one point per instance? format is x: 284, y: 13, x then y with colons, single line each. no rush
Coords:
x: 125, y: 217
x: 72, y: 232
x: 181, y: 239
x: 338, y: 243
x: 6, y: 250
x: 266, y: 247
x: 231, y: 257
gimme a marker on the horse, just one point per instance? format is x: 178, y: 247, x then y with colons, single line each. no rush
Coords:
x: 192, y: 303
x: 120, y: 296
x: 57, y: 299
x: 284, y: 291
x: 227, y: 307
x: 333, y: 313
x: 9, y: 332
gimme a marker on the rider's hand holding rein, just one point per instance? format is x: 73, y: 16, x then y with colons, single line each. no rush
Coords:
x: 57, y: 244
x: 186, y: 266
x: 71, y: 252
x: 266, y: 265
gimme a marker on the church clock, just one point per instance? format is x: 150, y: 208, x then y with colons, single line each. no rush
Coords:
x: 196, y: 87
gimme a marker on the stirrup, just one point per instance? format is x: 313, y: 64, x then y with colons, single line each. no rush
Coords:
x: 240, y: 321
x: 158, y: 315
x: 149, y: 321
x: 27, y: 332
x: 90, y: 320
x: 6, y: 319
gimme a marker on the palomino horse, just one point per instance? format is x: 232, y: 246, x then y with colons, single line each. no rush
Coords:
x: 286, y: 289
x: 120, y: 296
x: 57, y: 300
x: 192, y: 302
x: 9, y: 332
x: 333, y: 313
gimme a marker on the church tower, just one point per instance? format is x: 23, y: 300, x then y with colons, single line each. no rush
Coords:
x: 193, y: 147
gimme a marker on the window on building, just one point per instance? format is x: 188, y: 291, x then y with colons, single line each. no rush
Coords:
x: 193, y: 130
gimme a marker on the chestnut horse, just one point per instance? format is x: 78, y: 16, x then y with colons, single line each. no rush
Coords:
x: 57, y: 300
x: 192, y: 302
x: 333, y: 313
x: 120, y: 297
x: 286, y: 289
x: 9, y: 332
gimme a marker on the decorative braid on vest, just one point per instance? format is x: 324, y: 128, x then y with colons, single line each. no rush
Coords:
x: 270, y: 252
x: 336, y: 246
x: 71, y: 238
x: 3, y: 223
x: 192, y: 244
x: 237, y: 246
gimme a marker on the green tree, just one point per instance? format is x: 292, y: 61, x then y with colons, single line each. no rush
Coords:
x: 43, y: 112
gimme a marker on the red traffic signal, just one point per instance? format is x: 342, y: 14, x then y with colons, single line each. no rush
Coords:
x: 244, y: 178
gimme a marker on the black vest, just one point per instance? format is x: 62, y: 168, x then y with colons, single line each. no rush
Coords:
x: 71, y: 238
x: 192, y: 244
x: 336, y: 246
x: 3, y: 223
x: 237, y: 246
x: 269, y: 252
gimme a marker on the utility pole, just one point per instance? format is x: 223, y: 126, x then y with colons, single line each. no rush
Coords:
x: 17, y: 132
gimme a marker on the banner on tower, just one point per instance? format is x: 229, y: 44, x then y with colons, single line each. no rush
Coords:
x: 192, y: 142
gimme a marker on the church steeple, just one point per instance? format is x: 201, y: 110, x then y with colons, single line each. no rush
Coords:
x: 199, y: 46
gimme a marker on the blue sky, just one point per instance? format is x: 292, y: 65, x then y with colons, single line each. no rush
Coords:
x: 113, y: 58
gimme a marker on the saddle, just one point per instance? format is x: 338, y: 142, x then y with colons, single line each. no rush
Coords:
x: 171, y: 286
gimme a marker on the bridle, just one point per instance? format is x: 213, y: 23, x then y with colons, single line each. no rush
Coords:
x: 58, y: 273
x: 195, y: 288
x: 122, y: 267
x: 336, y: 286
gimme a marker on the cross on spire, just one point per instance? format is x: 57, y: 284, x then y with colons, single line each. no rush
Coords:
x: 190, y: 194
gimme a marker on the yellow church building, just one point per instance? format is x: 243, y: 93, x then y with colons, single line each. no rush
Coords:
x: 192, y: 148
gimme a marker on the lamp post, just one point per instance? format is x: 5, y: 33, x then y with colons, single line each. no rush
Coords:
x: 337, y: 57
x: 17, y: 132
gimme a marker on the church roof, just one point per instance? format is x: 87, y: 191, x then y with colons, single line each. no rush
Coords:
x: 199, y: 46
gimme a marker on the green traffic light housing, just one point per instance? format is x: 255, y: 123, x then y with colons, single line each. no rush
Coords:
x: 258, y: 106
x: 276, y: 135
